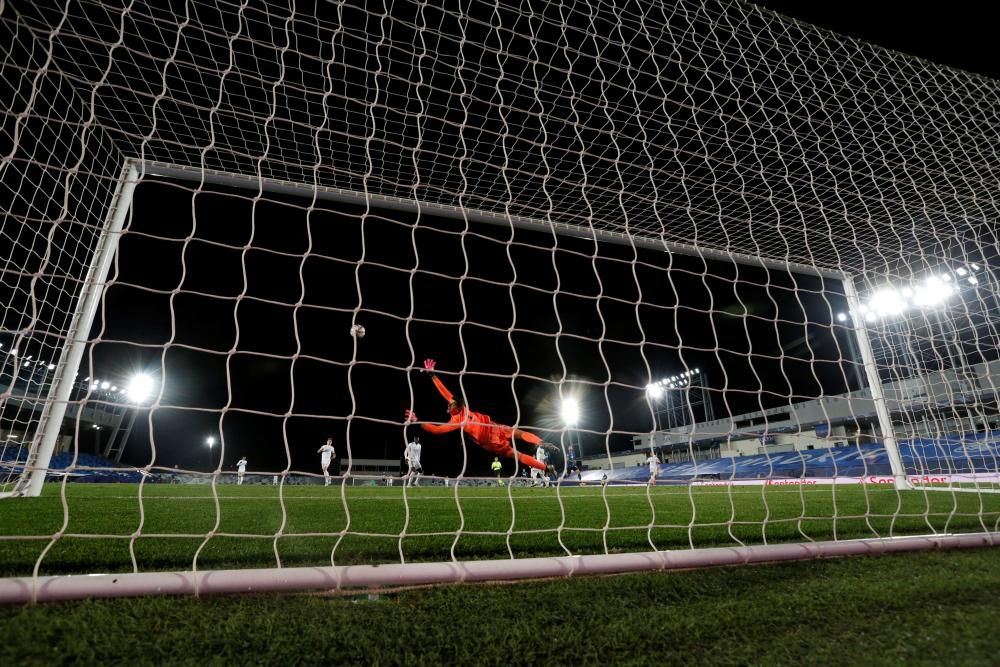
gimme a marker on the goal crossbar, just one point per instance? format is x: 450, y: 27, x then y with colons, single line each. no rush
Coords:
x: 635, y: 238
x: 348, y: 577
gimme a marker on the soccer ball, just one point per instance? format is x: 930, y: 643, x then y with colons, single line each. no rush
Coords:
x: 358, y: 331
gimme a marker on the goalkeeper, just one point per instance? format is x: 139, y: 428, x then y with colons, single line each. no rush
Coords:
x: 495, y: 438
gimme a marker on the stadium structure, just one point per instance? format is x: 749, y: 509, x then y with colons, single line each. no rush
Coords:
x: 945, y: 423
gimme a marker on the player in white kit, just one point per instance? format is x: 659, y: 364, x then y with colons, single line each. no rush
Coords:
x: 412, y: 456
x: 537, y: 474
x: 326, y: 453
x: 241, y: 469
x: 654, y: 466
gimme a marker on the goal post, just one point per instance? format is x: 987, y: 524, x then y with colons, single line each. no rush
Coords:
x: 348, y: 578
x: 888, y: 431
x: 50, y: 423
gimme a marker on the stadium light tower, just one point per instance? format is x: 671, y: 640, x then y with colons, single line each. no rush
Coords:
x: 896, y: 303
x: 570, y: 412
x: 677, y: 396
x: 930, y: 293
x: 929, y: 296
x: 137, y: 390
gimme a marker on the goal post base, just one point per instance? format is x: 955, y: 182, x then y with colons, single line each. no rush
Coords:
x: 345, y: 577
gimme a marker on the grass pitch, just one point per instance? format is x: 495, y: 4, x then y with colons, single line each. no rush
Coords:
x: 113, y: 528
x: 921, y: 608
x: 931, y: 608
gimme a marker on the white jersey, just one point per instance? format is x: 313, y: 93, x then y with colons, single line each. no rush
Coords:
x: 241, y: 465
x: 327, y: 453
x: 412, y: 454
x: 654, y: 464
x: 540, y: 455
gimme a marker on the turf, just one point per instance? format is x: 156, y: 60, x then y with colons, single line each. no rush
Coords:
x: 111, y: 528
x: 923, y: 608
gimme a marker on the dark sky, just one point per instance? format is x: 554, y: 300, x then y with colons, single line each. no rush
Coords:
x: 959, y: 34
x: 254, y: 302
x: 569, y: 316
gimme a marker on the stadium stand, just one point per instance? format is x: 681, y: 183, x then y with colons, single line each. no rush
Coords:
x: 87, y: 468
x: 952, y: 454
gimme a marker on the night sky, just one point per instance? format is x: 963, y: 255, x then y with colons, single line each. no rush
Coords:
x: 542, y: 309
x: 958, y: 34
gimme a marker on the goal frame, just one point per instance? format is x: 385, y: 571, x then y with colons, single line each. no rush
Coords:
x: 134, y: 170
x: 345, y: 578
x: 36, y: 465
x: 348, y: 578
x: 326, y: 193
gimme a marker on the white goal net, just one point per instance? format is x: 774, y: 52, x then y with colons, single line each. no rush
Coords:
x: 341, y: 294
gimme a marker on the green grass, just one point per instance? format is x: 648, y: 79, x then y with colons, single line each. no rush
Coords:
x: 106, y: 525
x: 910, y: 609
x: 927, y: 608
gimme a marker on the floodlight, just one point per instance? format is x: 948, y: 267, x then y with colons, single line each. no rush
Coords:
x: 140, y: 388
x: 654, y: 390
x: 51, y: 366
x: 973, y: 280
x: 841, y: 317
x: 570, y: 411
x: 933, y: 292
x: 960, y: 271
x: 210, y: 440
x: 105, y: 385
x: 887, y: 302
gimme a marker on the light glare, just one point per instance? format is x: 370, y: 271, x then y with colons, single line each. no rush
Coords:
x: 570, y: 411
x: 933, y: 292
x: 140, y: 388
x: 887, y: 302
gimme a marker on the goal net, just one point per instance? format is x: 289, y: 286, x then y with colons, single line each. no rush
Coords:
x: 565, y: 289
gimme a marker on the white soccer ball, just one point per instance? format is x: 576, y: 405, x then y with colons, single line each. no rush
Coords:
x: 358, y: 331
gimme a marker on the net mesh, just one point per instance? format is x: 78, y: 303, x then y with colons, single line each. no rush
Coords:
x: 681, y: 202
